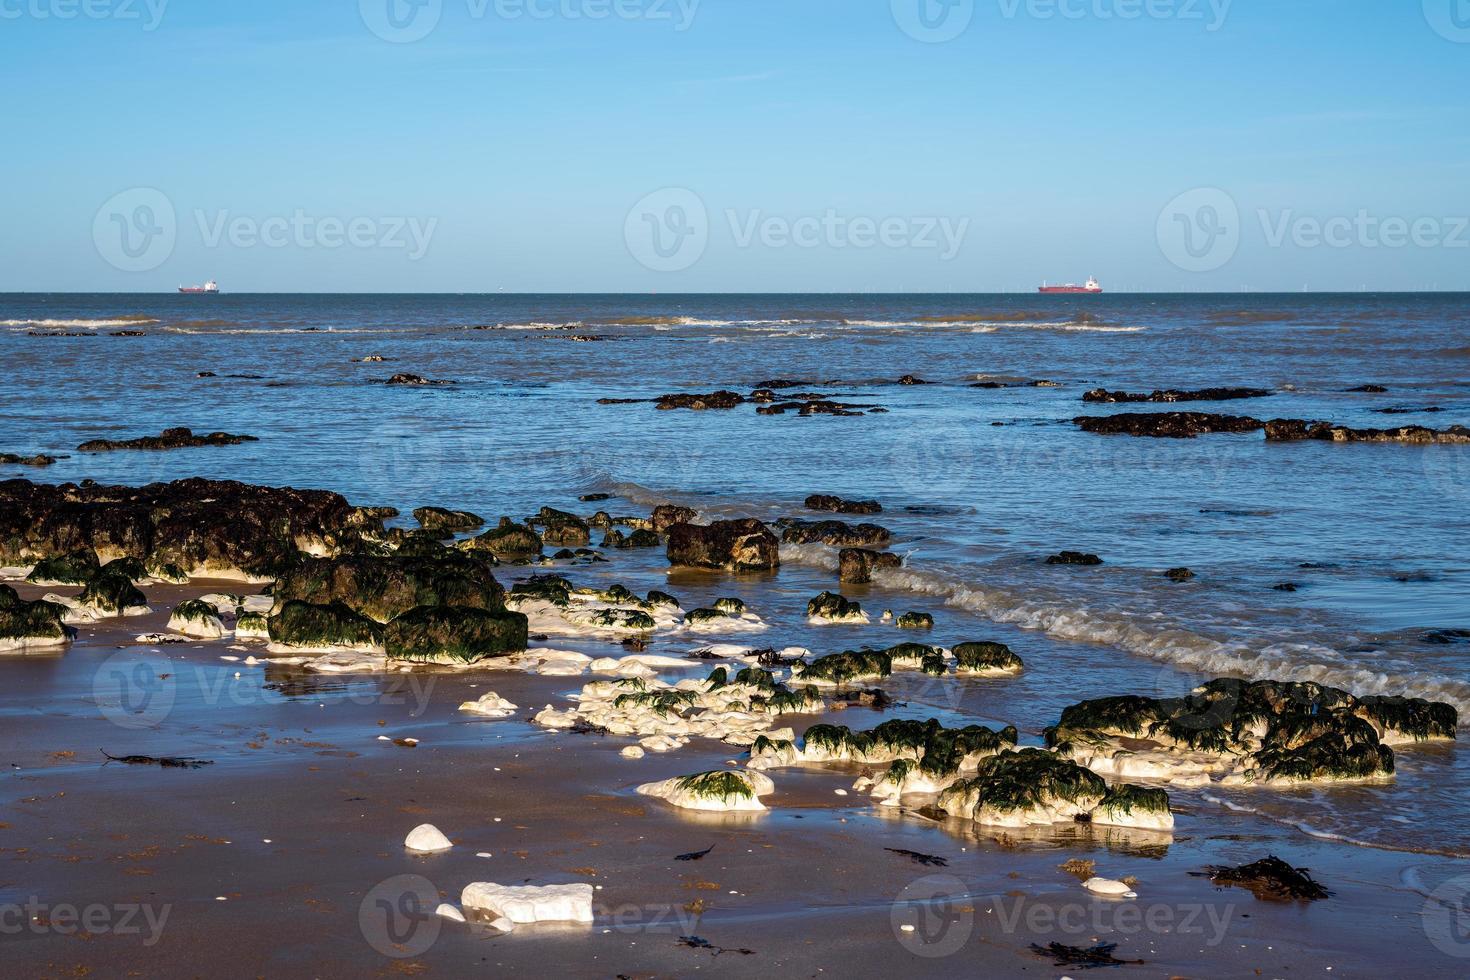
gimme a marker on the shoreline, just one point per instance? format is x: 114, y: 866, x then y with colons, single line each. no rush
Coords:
x: 313, y: 779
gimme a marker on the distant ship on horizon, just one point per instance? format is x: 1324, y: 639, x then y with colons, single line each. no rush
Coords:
x: 209, y: 287
x: 1091, y: 287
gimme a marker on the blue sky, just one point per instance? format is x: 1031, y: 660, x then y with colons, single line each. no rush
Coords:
x: 806, y: 145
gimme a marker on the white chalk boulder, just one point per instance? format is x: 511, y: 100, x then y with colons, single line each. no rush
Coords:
x: 490, y: 705
x: 719, y: 790
x: 427, y: 839
x: 1109, y: 888
x: 522, y: 904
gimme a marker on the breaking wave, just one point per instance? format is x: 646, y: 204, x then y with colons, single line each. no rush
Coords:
x: 121, y: 321
x: 1153, y: 640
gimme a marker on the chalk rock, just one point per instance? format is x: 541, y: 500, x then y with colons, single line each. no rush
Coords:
x: 1108, y: 887
x: 530, y: 903
x: 718, y: 790
x: 426, y: 839
x: 447, y: 911
x: 490, y: 705
x: 632, y: 752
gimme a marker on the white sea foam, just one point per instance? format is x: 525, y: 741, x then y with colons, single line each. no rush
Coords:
x: 124, y: 322
x: 1155, y: 639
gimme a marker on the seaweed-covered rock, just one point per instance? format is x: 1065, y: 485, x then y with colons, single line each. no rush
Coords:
x: 740, y: 546
x: 200, y: 527
x: 915, y: 621
x: 385, y: 587
x: 1290, y: 430
x: 1400, y: 720
x: 656, y: 599
x: 112, y: 594
x: 730, y: 606
x: 1127, y: 805
x: 195, y: 617
x: 544, y: 588
x: 639, y: 538
x: 30, y: 625
x: 850, y: 667
x: 855, y: 566
x: 177, y: 438
x: 829, y: 607
x: 986, y: 658
x: 836, y: 505
x: 627, y: 620
x: 561, y: 528
x: 128, y: 566
x: 696, y: 617
x: 415, y: 380
x: 721, y: 789
x: 1025, y: 788
x: 699, y: 403
x: 75, y: 568
x: 307, y: 628
x: 1179, y: 575
x: 453, y: 634
x: 1167, y: 425
x: 163, y: 571
x: 937, y: 752
x: 15, y: 459
x: 508, y: 539
x: 440, y: 519
x: 252, y: 626
x: 1174, y: 395
x: 1074, y: 558
x: 838, y: 534
x: 666, y: 516
x: 1261, y: 732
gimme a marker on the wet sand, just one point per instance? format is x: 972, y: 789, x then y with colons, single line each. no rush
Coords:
x: 285, y: 857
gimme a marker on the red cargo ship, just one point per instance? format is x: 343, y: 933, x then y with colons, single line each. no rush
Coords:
x: 1091, y: 287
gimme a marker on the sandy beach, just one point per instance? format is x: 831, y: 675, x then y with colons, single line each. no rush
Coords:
x: 285, y: 856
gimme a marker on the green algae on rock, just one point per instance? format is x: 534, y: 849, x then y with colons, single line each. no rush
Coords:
x: 454, y: 635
